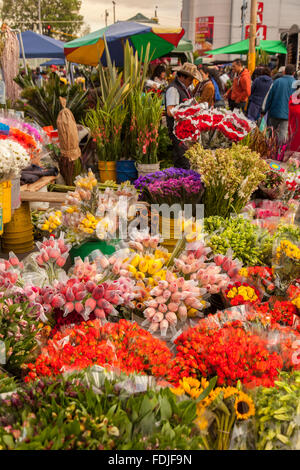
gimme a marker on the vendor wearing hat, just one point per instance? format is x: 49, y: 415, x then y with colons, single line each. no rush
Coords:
x: 177, y: 93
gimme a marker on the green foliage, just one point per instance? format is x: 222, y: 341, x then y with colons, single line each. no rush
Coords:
x: 248, y: 243
x: 164, y: 151
x: 42, y: 104
x: 65, y: 413
x: 23, y: 14
x: 277, y: 416
x: 18, y: 330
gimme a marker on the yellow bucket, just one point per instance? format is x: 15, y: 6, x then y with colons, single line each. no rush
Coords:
x: 6, y: 201
x: 18, y: 234
x: 108, y: 171
x: 170, y: 232
x: 18, y: 249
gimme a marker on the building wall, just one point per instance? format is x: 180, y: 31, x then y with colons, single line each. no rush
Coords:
x: 278, y: 15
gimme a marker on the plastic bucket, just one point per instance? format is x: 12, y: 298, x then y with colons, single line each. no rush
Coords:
x: 17, y: 249
x: 170, y: 232
x: 145, y: 168
x: 21, y: 220
x: 126, y: 171
x: 15, y: 193
x: 82, y: 251
x: 107, y: 171
x: 6, y: 201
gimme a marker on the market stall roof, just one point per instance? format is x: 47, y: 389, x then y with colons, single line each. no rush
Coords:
x: 184, y: 45
x: 38, y: 46
x: 53, y: 62
x: 140, y: 18
x: 89, y: 50
x: 242, y: 47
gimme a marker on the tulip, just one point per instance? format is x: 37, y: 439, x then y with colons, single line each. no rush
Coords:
x: 70, y: 295
x: 164, y: 325
x: 58, y: 301
x: 154, y: 327
x: 182, y: 312
x: 69, y: 307
x: 98, y: 292
x: 173, y: 307
x: 53, y: 253
x: 163, y: 308
x: 99, y: 313
x: 90, y: 305
x: 79, y: 295
x: 176, y: 297
x: 60, y: 261
x: 45, y: 256
x: 158, y: 317
x: 172, y: 318
x: 149, y: 312
x: 90, y: 286
x: 13, y: 260
x: 79, y: 307
x: 166, y: 294
x: 218, y: 259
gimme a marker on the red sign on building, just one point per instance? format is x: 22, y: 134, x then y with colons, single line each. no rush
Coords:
x: 204, y: 34
x: 261, y: 31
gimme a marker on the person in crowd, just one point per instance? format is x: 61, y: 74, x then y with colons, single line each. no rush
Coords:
x: 159, y: 75
x: 37, y: 77
x: 218, y: 86
x: 259, y: 90
x: 204, y: 92
x: 277, y: 103
x: 293, y: 149
x: 178, y: 92
x: 240, y: 91
x: 278, y: 73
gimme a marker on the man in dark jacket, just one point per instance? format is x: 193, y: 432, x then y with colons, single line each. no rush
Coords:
x: 259, y: 90
x: 277, y: 103
x: 177, y: 93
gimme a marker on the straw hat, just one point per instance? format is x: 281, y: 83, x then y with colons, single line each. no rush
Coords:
x: 189, y: 69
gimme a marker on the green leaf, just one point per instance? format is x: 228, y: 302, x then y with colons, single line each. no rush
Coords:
x: 207, y: 391
x: 8, y: 440
x: 165, y: 408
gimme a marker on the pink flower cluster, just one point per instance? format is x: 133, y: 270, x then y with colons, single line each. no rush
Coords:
x: 52, y: 251
x: 213, y: 274
x: 169, y: 303
x: 86, y: 298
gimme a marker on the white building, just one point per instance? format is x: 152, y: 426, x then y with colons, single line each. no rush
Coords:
x: 217, y: 23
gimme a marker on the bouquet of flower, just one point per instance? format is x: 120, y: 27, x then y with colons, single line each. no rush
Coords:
x: 230, y: 177
x: 13, y: 159
x: 169, y: 302
x: 217, y: 411
x: 198, y: 123
x: 90, y: 213
x: 170, y: 173
x: 185, y: 190
x: 286, y: 263
x: 246, y: 241
x: 122, y: 345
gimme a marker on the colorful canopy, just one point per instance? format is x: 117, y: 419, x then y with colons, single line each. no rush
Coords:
x: 38, y: 46
x: 242, y: 47
x: 89, y: 50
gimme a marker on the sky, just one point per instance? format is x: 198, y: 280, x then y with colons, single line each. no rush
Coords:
x: 168, y: 11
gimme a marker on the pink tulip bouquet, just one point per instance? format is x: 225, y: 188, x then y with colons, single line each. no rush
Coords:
x: 169, y: 302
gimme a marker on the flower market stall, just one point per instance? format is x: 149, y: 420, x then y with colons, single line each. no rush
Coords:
x: 154, y: 310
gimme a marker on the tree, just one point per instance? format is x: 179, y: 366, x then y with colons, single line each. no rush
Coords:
x: 24, y: 15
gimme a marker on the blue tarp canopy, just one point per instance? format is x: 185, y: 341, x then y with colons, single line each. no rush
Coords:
x: 38, y: 46
x: 53, y: 62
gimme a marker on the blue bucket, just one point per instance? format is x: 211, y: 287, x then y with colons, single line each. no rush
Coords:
x: 126, y: 171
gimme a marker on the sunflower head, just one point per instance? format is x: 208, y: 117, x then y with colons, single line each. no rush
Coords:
x: 244, y: 406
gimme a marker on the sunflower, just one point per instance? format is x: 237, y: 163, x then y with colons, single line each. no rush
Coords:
x: 230, y: 391
x: 244, y: 406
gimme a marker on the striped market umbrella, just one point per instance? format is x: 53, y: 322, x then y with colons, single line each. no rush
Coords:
x: 90, y: 49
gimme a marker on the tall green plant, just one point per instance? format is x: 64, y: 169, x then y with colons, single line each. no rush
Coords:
x: 106, y: 125
x: 145, y: 125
